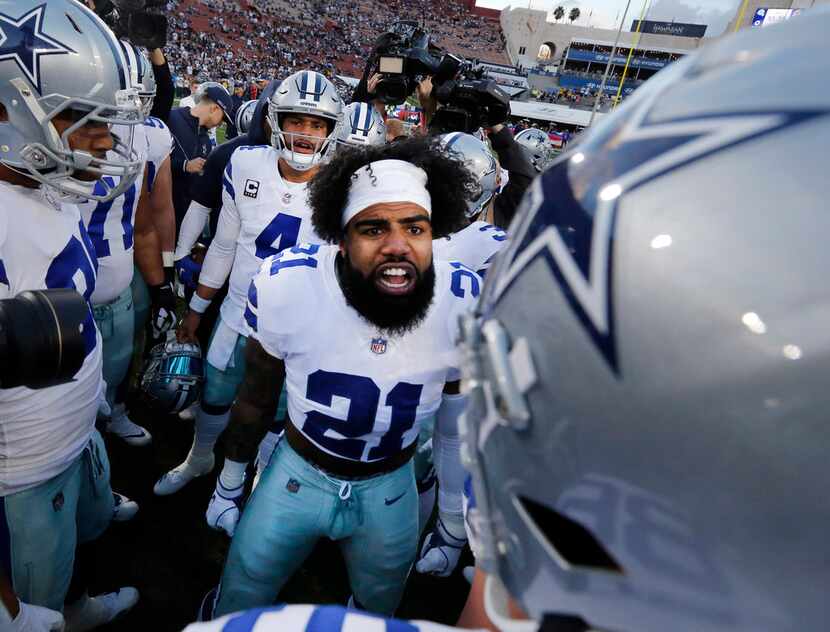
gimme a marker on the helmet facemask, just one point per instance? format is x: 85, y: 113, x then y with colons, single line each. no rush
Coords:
x: 51, y: 160
x: 284, y: 141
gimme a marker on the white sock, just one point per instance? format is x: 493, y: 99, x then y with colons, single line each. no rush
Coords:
x: 426, y: 503
x: 232, y: 475
x: 208, y: 427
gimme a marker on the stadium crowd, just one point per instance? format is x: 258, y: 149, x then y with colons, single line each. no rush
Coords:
x: 242, y: 41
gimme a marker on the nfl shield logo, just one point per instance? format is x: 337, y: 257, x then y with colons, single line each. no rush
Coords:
x: 378, y: 345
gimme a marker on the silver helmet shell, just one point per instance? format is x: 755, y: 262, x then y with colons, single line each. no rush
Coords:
x: 173, y: 376
x: 539, y: 147
x: 305, y: 92
x: 141, y: 75
x: 58, y: 56
x: 479, y: 160
x: 244, y: 115
x: 362, y: 126
x: 648, y: 422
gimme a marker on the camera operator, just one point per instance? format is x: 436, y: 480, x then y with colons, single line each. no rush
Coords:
x: 511, y: 158
x: 164, y: 85
x: 148, y: 31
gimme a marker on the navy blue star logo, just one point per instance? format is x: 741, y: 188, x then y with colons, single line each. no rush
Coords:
x: 570, y: 212
x: 23, y: 41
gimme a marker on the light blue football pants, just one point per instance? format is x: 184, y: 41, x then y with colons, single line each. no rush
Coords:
x: 221, y: 385
x: 116, y: 322
x: 41, y: 527
x: 374, y: 520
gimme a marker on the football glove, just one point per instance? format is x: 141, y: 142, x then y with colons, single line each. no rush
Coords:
x: 162, y: 310
x: 440, y: 552
x: 225, y: 508
x: 187, y: 273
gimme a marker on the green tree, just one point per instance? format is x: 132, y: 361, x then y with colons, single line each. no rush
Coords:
x: 573, y: 15
x: 558, y: 13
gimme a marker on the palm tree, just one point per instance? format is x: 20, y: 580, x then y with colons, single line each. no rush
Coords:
x: 573, y: 15
x: 558, y: 13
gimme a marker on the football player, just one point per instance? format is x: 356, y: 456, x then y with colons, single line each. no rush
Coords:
x: 63, y: 83
x: 648, y: 422
x: 475, y: 246
x: 363, y: 335
x: 362, y: 126
x: 265, y: 210
x: 121, y: 230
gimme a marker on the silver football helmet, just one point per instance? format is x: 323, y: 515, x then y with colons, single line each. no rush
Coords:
x: 141, y: 75
x: 539, y: 147
x: 57, y: 57
x: 305, y: 92
x: 362, y: 126
x: 648, y: 372
x: 478, y: 158
x: 173, y: 376
x: 244, y: 115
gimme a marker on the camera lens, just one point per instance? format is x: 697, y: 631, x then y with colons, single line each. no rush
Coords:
x: 41, y: 338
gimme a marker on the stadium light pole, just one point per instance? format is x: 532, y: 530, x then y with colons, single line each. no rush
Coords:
x: 608, y: 66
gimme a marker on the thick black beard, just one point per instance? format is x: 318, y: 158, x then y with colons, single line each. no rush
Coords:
x: 392, y: 315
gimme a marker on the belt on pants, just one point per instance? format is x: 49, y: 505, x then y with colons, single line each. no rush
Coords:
x: 343, y: 468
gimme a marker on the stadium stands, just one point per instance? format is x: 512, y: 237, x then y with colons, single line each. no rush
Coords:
x: 244, y: 41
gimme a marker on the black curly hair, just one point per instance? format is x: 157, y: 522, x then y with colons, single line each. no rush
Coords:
x: 449, y: 182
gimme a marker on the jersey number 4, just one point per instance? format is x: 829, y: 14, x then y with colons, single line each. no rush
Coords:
x: 364, y: 398
x: 280, y: 234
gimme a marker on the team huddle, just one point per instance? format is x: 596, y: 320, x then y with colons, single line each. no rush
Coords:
x: 399, y: 367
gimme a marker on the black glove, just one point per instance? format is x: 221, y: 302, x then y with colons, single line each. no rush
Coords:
x: 162, y: 310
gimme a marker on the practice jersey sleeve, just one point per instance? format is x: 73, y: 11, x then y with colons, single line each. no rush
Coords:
x: 309, y: 618
x: 219, y: 259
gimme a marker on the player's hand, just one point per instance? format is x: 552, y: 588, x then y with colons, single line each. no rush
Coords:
x: 194, y: 165
x: 187, y: 272
x: 440, y: 552
x: 36, y: 619
x: 187, y: 328
x: 162, y: 310
x: 224, y: 508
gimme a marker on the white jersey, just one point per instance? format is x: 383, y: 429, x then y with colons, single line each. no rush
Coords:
x: 111, y: 227
x: 307, y: 618
x: 354, y: 392
x: 44, y: 244
x: 263, y: 214
x: 159, y: 147
x: 474, y: 246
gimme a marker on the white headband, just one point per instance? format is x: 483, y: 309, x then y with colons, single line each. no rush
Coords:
x: 386, y: 181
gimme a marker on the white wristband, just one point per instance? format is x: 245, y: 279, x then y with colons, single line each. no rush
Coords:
x: 167, y: 259
x: 199, y: 304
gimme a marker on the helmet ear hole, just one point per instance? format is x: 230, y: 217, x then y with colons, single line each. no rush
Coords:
x: 569, y: 540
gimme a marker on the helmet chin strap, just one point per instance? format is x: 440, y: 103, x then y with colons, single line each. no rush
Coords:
x: 496, y: 606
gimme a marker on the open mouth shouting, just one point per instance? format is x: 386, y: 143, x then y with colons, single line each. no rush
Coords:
x: 304, y: 146
x: 396, y: 278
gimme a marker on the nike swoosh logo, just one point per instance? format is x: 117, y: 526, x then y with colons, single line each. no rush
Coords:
x: 394, y: 500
